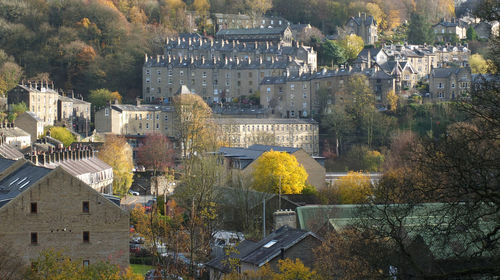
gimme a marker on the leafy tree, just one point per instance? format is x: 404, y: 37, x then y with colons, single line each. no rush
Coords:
x: 194, y: 125
x: 101, y: 97
x: 279, y: 172
x: 354, y: 188
x: 10, y: 74
x: 392, y: 100
x: 419, y: 30
x: 352, y: 45
x: 19, y: 108
x: 339, y: 125
x: 118, y: 154
x: 258, y: 8
x: 333, y: 53
x: 290, y: 270
x: 471, y: 34
x: 62, y: 134
x: 478, y: 64
x: 53, y: 265
x: 156, y: 153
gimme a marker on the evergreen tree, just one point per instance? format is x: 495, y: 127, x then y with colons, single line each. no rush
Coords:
x: 419, y: 30
x: 471, y: 34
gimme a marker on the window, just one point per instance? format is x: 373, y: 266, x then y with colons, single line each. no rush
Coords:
x: 159, y: 90
x: 157, y: 116
x: 181, y: 82
x: 147, y: 71
x: 34, y: 208
x: 86, y: 263
x: 106, y: 112
x: 268, y: 90
x: 34, y: 238
x: 305, y: 95
x: 157, y: 125
x: 159, y: 80
x: 85, y: 207
x: 147, y: 80
x: 159, y: 72
x: 140, y: 125
x: 204, y: 74
x: 292, y: 87
x: 170, y: 73
x: 181, y: 73
x: 86, y: 237
x: 166, y: 117
x: 452, y: 85
x: 147, y: 125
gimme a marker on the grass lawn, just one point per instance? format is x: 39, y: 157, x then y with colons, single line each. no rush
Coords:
x: 140, y: 268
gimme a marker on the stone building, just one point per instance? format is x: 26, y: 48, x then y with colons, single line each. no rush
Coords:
x: 245, y: 132
x: 237, y: 21
x: 43, y: 208
x: 39, y: 97
x: 278, y: 35
x: 305, y: 95
x: 140, y: 119
x: 81, y: 163
x: 284, y: 243
x: 449, y: 83
x: 74, y: 113
x: 364, y: 26
x: 210, y: 49
x: 215, y: 80
x: 240, y: 162
x: 30, y: 123
x: 444, y: 30
x: 18, y: 138
x: 487, y: 29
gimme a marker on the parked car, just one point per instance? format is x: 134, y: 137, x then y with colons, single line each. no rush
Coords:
x: 132, y: 192
x: 149, y: 205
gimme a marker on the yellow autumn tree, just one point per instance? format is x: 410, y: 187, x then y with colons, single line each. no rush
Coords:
x: 118, y: 154
x: 279, y: 170
x: 392, y: 100
x: 352, y: 45
x: 478, y: 64
x: 288, y: 270
x: 354, y: 188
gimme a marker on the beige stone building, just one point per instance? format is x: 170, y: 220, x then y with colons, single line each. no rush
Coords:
x: 74, y: 113
x: 12, y: 135
x: 42, y: 209
x: 240, y: 162
x: 278, y: 35
x: 443, y: 30
x: 236, y: 21
x: 210, y: 49
x: 39, y: 97
x: 133, y: 120
x: 215, y: 80
x: 30, y: 123
x: 365, y: 26
x: 449, y: 83
x: 304, y: 96
x: 245, y: 132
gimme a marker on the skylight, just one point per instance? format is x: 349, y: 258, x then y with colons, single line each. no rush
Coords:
x: 270, y: 243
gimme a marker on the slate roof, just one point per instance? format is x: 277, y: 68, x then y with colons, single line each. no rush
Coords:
x: 73, y: 100
x: 130, y: 107
x: 259, y: 254
x: 19, y: 180
x: 9, y: 152
x: 247, y: 155
x: 33, y: 115
x: 81, y: 166
x: 220, y: 264
x: 263, y: 121
x: 251, y: 31
x: 444, y: 72
x: 13, y: 132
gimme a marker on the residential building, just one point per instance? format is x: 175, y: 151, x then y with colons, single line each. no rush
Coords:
x: 39, y: 97
x: 31, y: 123
x: 42, y: 209
x: 81, y: 163
x: 365, y: 26
x: 74, y: 113
x: 240, y: 162
x: 18, y: 138
x: 445, y: 30
x: 284, y: 243
x: 485, y: 29
x: 185, y: 46
x: 133, y: 120
x: 245, y: 132
x: 8, y: 151
x: 242, y: 21
x: 449, y: 83
x: 278, y: 35
x: 215, y: 80
x: 305, y: 95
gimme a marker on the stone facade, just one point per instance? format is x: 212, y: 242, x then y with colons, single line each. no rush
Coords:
x: 30, y: 123
x: 39, y: 97
x: 244, y: 132
x: 14, y: 136
x: 236, y: 21
x: 364, y: 26
x: 449, y: 83
x: 216, y: 80
x: 60, y: 212
x: 138, y: 119
x: 74, y: 113
x: 444, y: 29
x: 300, y: 96
x: 278, y: 35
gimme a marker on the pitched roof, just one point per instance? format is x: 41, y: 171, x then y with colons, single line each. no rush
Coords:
x: 262, y: 252
x: 13, y: 132
x: 251, y: 31
x: 10, y: 152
